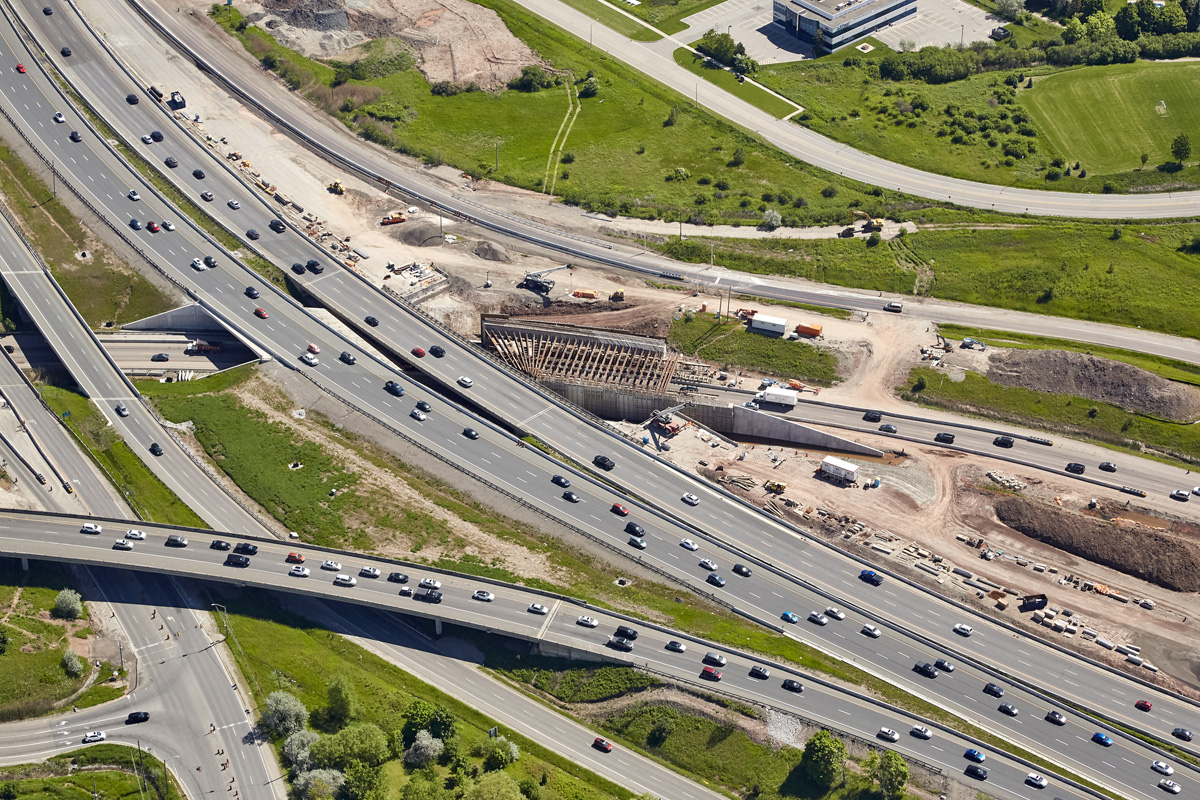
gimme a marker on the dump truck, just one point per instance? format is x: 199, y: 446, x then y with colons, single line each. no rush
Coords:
x: 842, y: 470
x: 392, y: 218
x: 777, y: 487
x: 761, y: 323
x: 587, y: 294
x: 198, y: 346
x: 775, y: 394
x: 809, y: 329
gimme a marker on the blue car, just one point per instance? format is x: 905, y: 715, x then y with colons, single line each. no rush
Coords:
x: 1102, y: 738
x: 788, y: 616
x: 870, y: 576
x: 974, y: 755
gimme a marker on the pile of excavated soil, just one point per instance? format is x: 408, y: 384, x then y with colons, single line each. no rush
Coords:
x: 1133, y: 549
x: 1099, y: 379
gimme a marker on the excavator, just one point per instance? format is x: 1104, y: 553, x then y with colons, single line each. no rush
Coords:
x: 870, y: 225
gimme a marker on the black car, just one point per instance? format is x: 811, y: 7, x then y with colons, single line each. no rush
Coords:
x: 156, y: 136
x: 246, y: 549
x: 160, y: 357
x: 235, y: 560
x: 76, y: 136
x: 276, y: 226
x: 604, y: 462
x: 570, y: 496
x: 944, y: 665
x: 219, y: 544
x: 66, y: 51
x: 715, y: 580
x: 252, y: 234
x: 348, y: 357
x: 155, y: 449
x: 437, y: 351
x: 1108, y: 466
x: 198, y: 174
x: 1075, y: 468
x: 1056, y: 717
x: 209, y: 261
x: 633, y: 529
x: 1003, y: 441
x: 559, y: 480
x: 470, y: 433
x: 873, y: 416
x: 47, y: 11
x: 132, y: 99
x: 944, y: 438
x: 137, y: 716
x: 251, y: 292
x: 976, y: 771
x: 926, y: 669
x: 760, y: 672
x: 371, y: 321
x: 793, y: 685
x: 625, y: 632
x: 741, y: 569
x: 177, y: 540
x: 315, y: 266
x: 393, y: 388
x: 994, y: 690
x: 172, y: 162
x: 397, y: 577
x: 1182, y: 733
x: 135, y: 224
x: 429, y: 596
x: 620, y: 643
x: 887, y: 428
x: 424, y: 406
x: 1008, y: 708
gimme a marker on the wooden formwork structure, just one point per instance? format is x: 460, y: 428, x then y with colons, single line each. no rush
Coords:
x: 595, y: 356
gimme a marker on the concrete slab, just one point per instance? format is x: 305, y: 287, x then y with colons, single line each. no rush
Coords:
x: 941, y: 22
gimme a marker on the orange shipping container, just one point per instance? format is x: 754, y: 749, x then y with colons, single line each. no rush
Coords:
x: 809, y: 329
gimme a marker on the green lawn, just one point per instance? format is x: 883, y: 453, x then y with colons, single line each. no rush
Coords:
x: 754, y: 95
x: 128, y: 473
x: 1108, y: 116
x: 96, y: 772
x: 1061, y: 413
x: 606, y: 14
x: 731, y: 346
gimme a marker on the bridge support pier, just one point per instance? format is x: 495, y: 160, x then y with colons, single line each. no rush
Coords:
x: 437, y: 627
x: 24, y: 563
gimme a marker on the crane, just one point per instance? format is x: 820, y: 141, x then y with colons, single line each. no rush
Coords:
x: 664, y: 421
x: 538, y: 282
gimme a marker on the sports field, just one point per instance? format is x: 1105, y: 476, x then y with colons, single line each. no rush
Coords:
x: 1106, y: 117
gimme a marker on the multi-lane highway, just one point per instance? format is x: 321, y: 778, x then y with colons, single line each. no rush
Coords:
x: 1124, y: 766
x: 443, y: 431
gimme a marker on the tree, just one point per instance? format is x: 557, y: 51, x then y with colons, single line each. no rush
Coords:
x: 424, y: 716
x: 1010, y: 9
x: 497, y: 753
x: 1089, y: 7
x: 365, y: 781
x: 531, y: 79
x: 892, y: 774
x: 1073, y: 31
x: 71, y: 664
x: 720, y: 47
x: 824, y: 758
x: 285, y: 713
x: 297, y: 750
x: 1100, y: 27
x: 739, y: 157
x: 591, y: 88
x: 771, y: 220
x: 1145, y: 158
x: 419, y: 787
x: 362, y: 741
x: 341, y: 700
x: 1181, y: 148
x: 1170, y: 19
x: 424, y: 751
x: 672, y: 117
x: 68, y: 605
x: 318, y: 784
x: 494, y: 786
x: 1129, y: 25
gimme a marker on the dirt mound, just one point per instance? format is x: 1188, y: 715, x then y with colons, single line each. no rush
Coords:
x: 490, y: 251
x: 1100, y: 379
x: 1136, y: 550
x: 420, y: 234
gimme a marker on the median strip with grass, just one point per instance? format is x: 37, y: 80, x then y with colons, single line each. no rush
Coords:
x: 98, y: 772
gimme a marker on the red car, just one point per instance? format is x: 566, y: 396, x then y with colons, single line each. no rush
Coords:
x: 260, y: 313
x: 418, y: 352
x: 602, y: 744
x: 1143, y: 705
x: 617, y: 508
x: 295, y: 558
x: 152, y: 227
x: 21, y: 68
x: 312, y: 348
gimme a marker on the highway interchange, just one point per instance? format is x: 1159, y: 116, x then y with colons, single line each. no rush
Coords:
x: 286, y: 339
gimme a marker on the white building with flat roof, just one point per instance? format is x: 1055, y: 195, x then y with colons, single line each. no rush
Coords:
x: 830, y: 24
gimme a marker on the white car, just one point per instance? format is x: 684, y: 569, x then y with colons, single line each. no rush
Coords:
x: 146, y: 138
x: 418, y: 415
x: 334, y: 566
x: 921, y: 732
x: 676, y: 647
x: 818, y: 617
x: 1033, y: 779
x: 298, y: 571
x: 587, y: 622
x: 1163, y: 767
x: 1196, y: 490
x: 235, y: 205
x: 872, y: 631
x: 122, y: 544
x: 836, y: 613
x: 466, y: 382
x: 690, y: 499
x: 94, y: 736
x: 310, y: 359
x: 538, y: 608
x: 91, y: 527
x: 58, y: 117
x: 708, y: 564
x: 135, y: 534
x: 688, y: 544
x: 963, y: 630
x: 368, y: 572
x: 484, y: 595
x: 889, y: 735
x: 134, y: 196
x: 1164, y: 784
x: 345, y: 580
x: 167, y: 225
x: 198, y: 265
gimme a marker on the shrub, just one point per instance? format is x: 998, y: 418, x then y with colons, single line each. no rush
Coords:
x: 68, y: 605
x: 874, y: 239
x: 590, y: 88
x: 830, y: 192
x: 318, y: 784
x: 722, y: 184
x: 71, y: 664
x: 297, y: 750
x: 671, y: 118
x: 285, y: 713
x: 424, y: 751
x: 771, y: 220
x: 532, y: 79
x: 739, y: 157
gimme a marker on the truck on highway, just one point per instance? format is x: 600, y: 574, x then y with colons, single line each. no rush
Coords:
x: 780, y: 396
x: 842, y: 470
x: 200, y: 346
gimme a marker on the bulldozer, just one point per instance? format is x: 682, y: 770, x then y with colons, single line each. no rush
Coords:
x: 618, y: 296
x: 337, y: 188
x: 778, y: 487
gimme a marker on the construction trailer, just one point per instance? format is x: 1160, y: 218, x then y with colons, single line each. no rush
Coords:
x: 761, y: 323
x: 842, y: 470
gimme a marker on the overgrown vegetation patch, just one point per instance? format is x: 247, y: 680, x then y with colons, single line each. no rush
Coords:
x: 730, y: 345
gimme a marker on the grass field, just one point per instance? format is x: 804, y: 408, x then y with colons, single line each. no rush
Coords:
x: 608, y: 15
x: 729, y: 345
x: 144, y: 491
x: 1108, y: 116
x: 754, y: 95
x: 1062, y: 413
x: 96, y: 772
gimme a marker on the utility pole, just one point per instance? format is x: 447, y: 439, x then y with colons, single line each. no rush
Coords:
x: 497, y: 168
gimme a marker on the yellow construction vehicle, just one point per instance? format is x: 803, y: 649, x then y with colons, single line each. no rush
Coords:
x: 618, y: 296
x: 337, y: 188
x: 587, y: 294
x: 870, y: 225
x: 777, y: 487
x: 393, y: 218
